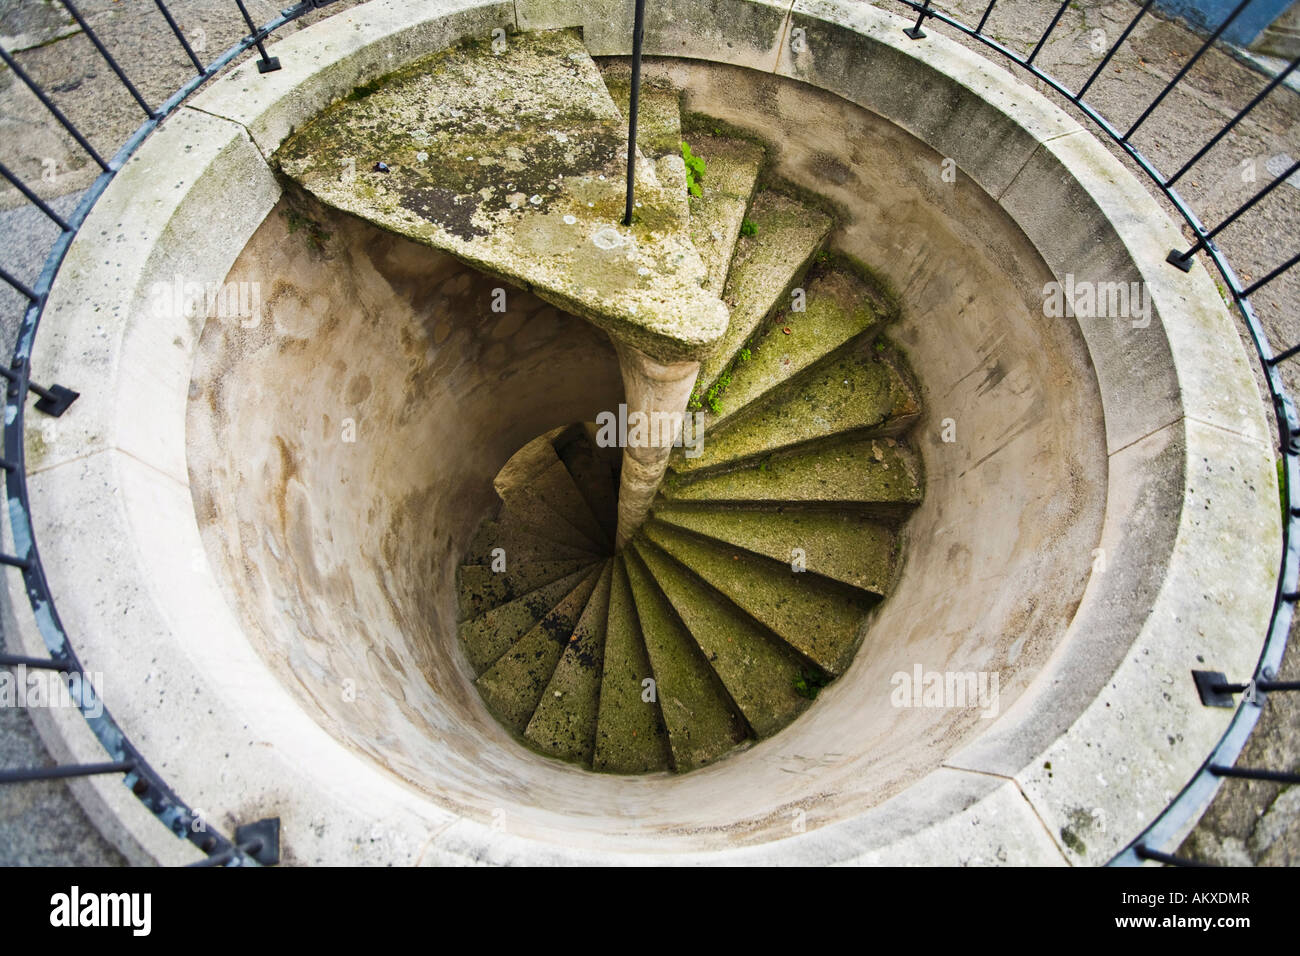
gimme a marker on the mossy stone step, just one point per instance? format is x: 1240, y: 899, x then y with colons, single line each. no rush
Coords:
x: 513, y: 685
x: 520, y: 546
x: 765, y: 269
x: 658, y: 127
x: 838, y: 307
x: 564, y: 723
x: 703, y: 722
x: 630, y: 732
x: 857, y: 389
x: 818, y: 618
x: 592, y: 473
x: 552, y: 506
x: 488, y: 636
x: 480, y: 588
x: 845, y: 546
x: 731, y: 170
x: 758, y: 671
x: 514, y: 161
x: 878, y: 473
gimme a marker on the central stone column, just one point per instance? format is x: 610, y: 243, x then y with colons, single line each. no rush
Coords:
x: 660, y: 391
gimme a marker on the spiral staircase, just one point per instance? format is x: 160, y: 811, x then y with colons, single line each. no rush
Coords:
x: 748, y: 589
x: 597, y: 636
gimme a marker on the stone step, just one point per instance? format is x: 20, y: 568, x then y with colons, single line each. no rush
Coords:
x: 731, y: 170
x: 513, y: 685
x: 515, y: 161
x: 592, y: 473
x: 659, y: 126
x: 526, y: 464
x: 818, y: 618
x: 480, y: 588
x: 564, y: 723
x: 878, y: 474
x: 764, y: 270
x: 630, y: 732
x: 488, y: 636
x: 758, y: 672
x: 844, y: 546
x: 521, y: 546
x: 839, y: 306
x: 551, y: 505
x: 703, y: 722
x: 861, y: 388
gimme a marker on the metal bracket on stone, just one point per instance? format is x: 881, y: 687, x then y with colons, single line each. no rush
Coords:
x: 260, y: 840
x: 53, y: 401
x: 1212, y: 686
x: 1183, y: 260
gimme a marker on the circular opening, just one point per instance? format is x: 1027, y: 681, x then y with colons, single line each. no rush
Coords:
x: 344, y: 429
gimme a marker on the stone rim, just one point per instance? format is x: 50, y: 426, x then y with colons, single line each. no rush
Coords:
x: 1191, y: 416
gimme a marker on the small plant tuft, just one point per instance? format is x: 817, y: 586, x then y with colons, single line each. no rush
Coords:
x: 713, y: 398
x: 695, y: 167
x: 809, y: 683
x: 315, y: 235
x: 749, y: 228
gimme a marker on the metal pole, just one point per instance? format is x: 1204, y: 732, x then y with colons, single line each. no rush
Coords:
x: 638, y: 31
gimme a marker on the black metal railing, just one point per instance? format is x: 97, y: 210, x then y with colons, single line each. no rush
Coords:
x: 259, y: 842
x: 1219, y: 764
x: 255, y: 843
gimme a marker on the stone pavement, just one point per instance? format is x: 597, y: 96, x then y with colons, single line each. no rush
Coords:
x: 1248, y: 822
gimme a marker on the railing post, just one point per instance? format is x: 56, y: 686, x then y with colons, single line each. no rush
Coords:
x: 638, y: 34
x: 915, y: 31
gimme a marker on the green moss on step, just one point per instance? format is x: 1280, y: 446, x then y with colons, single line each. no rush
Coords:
x: 630, y: 733
x: 488, y: 636
x: 757, y: 672
x: 480, y: 588
x: 838, y: 308
x: 819, y: 619
x: 527, y: 187
x: 764, y: 270
x: 852, y: 548
x: 564, y: 723
x: 862, y: 472
x: 513, y: 685
x: 703, y: 723
x: 859, y: 388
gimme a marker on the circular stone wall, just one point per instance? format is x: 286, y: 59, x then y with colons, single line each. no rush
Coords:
x: 301, y: 583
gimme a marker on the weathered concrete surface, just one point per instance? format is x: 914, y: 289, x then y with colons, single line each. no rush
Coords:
x: 513, y: 686
x: 840, y: 308
x: 491, y: 634
x: 482, y: 588
x: 513, y: 160
x: 822, y: 622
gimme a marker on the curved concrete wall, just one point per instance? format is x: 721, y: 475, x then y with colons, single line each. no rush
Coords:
x: 1092, y: 747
